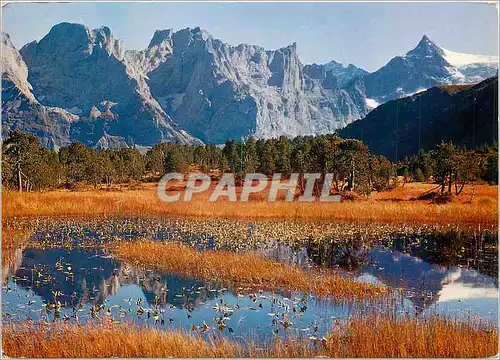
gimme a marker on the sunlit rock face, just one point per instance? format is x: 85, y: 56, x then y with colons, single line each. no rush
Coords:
x: 20, y: 108
x: 217, y: 91
x: 80, y: 71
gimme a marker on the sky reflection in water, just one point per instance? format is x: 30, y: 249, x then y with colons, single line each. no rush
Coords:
x: 91, y: 286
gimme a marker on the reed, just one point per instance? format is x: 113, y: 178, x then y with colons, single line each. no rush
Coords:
x: 12, y: 239
x: 391, y: 206
x: 246, y: 270
x: 72, y: 341
x: 433, y: 337
x: 373, y: 337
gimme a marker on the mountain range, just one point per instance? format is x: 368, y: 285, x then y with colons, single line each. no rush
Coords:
x: 78, y: 84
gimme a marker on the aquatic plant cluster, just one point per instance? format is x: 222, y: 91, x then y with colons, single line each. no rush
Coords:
x: 81, y: 286
x: 327, y: 243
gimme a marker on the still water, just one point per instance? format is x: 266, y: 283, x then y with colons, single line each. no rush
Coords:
x: 77, y: 285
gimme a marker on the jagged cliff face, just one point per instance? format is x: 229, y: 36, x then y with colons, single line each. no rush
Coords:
x: 21, y: 110
x: 84, y: 72
x: 76, y: 68
x: 217, y: 91
x: 333, y: 74
x: 14, y: 72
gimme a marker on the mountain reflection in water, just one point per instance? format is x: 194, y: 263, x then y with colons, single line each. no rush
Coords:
x: 91, y: 284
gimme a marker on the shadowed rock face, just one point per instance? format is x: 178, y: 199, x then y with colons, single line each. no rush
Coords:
x: 465, y: 115
x: 84, y: 72
x: 333, y: 73
x: 76, y: 68
x: 88, y: 92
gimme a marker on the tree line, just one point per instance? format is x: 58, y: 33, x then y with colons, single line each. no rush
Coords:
x: 27, y: 166
x: 452, y: 167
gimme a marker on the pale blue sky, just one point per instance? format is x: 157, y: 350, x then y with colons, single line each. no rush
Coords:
x: 367, y: 35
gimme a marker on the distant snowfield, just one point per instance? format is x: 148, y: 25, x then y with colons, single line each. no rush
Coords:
x: 371, y: 103
x: 419, y: 90
x: 460, y: 59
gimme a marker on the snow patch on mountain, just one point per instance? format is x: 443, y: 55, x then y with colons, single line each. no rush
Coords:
x: 417, y: 91
x: 463, y: 60
x: 425, y: 66
x: 371, y: 103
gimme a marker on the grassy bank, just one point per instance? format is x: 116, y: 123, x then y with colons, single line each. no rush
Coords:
x: 382, y: 337
x: 12, y: 239
x: 247, y: 270
x: 391, y: 206
x: 71, y: 341
x: 371, y: 337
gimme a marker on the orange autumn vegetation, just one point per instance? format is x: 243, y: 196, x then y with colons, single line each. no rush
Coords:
x: 374, y: 337
x: 247, y: 270
x: 12, y: 238
x: 433, y: 337
x: 71, y: 341
x: 390, y: 206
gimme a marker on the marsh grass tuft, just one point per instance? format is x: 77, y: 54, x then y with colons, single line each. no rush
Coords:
x: 431, y: 337
x: 72, y: 341
x: 247, y: 270
x: 373, y: 337
x: 13, y: 237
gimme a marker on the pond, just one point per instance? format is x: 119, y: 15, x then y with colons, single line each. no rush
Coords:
x: 82, y: 285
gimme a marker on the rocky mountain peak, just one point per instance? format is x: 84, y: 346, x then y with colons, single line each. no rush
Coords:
x: 14, y: 69
x: 77, y: 69
x: 69, y: 38
x: 425, y: 48
x: 333, y: 73
x: 66, y: 31
x: 353, y: 67
x: 188, y: 37
x: 160, y: 36
x: 189, y: 81
x: 102, y: 39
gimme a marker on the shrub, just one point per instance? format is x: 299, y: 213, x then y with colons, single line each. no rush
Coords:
x: 442, y: 198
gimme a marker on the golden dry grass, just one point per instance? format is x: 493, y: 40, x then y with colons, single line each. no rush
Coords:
x: 247, y: 270
x: 415, y: 189
x: 12, y: 239
x: 390, y: 206
x: 117, y: 341
x: 379, y: 337
x: 71, y: 341
x: 454, y: 88
x: 383, y: 337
